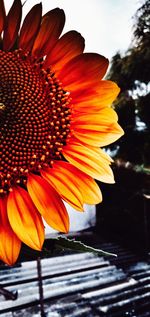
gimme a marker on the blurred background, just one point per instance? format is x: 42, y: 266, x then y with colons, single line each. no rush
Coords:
x: 125, y: 211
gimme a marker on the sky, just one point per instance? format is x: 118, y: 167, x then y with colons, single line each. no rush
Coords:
x: 106, y: 25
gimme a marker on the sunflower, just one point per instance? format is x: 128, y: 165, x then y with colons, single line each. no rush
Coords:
x: 55, y: 115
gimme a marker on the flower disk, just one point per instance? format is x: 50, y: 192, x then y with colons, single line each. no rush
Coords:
x: 34, y: 118
x: 55, y: 115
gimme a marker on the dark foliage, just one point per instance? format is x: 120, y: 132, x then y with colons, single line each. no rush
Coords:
x: 131, y: 71
x: 124, y: 212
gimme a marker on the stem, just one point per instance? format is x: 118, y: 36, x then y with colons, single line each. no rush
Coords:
x: 146, y: 197
x: 39, y: 270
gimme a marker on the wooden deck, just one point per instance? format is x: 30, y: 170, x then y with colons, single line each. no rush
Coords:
x: 80, y: 285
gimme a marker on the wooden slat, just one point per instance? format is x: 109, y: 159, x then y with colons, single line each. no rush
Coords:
x: 80, y: 285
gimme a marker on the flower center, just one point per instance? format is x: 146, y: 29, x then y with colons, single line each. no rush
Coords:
x: 34, y: 117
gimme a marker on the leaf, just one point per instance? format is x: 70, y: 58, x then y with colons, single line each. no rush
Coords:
x: 142, y: 169
x: 63, y: 243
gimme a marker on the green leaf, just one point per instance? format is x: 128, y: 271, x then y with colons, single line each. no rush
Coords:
x: 142, y: 168
x: 63, y: 243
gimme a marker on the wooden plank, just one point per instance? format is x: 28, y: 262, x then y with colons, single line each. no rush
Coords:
x: 26, y: 277
x: 122, y: 305
x: 110, y: 289
x: 93, y: 271
x: 56, y: 290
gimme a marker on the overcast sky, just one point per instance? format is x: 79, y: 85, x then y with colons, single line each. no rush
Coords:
x: 105, y: 24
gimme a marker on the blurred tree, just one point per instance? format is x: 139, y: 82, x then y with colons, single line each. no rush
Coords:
x: 131, y: 71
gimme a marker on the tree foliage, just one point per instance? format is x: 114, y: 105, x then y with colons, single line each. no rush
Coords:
x: 131, y: 71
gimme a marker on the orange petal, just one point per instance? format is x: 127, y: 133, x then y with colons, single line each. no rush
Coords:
x: 90, y: 191
x: 68, y: 46
x: 25, y: 219
x: 64, y: 184
x: 83, y: 71
x: 95, y: 138
x: 95, y: 121
x: 48, y: 203
x: 50, y: 30
x: 103, y: 155
x: 10, y: 245
x: 96, y: 129
x: 2, y: 15
x: 88, y: 161
x: 12, y: 25
x: 30, y: 27
x: 95, y: 100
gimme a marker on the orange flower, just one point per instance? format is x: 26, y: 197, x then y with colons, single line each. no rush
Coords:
x: 54, y: 116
